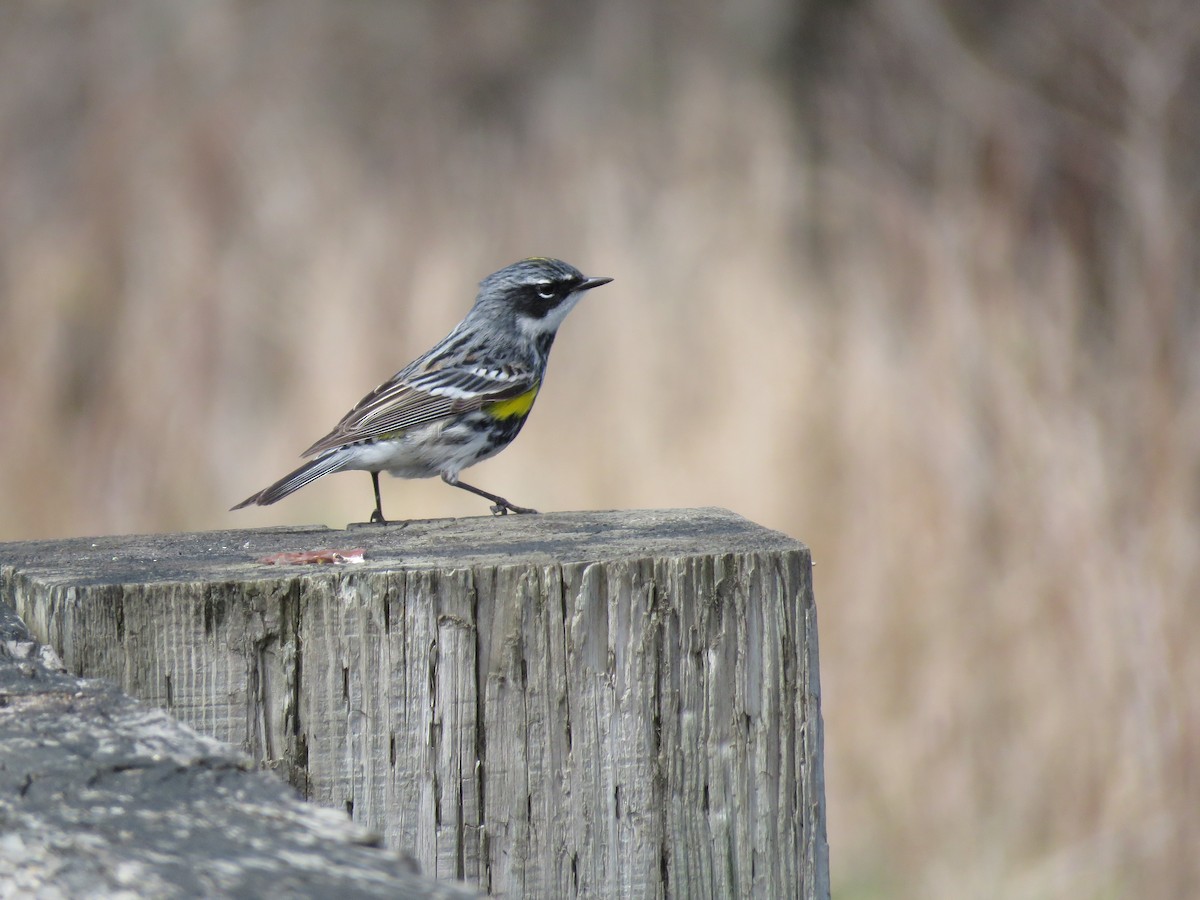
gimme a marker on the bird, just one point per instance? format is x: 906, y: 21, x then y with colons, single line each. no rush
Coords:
x: 461, y: 402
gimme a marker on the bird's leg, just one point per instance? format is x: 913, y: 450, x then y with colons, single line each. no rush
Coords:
x: 377, y: 516
x: 500, y: 506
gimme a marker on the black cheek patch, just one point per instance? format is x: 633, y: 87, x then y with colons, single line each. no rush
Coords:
x: 528, y: 303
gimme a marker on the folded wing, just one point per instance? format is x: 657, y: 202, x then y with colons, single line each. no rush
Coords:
x: 419, y: 398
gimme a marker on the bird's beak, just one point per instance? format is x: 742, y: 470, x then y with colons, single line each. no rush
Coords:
x: 590, y: 283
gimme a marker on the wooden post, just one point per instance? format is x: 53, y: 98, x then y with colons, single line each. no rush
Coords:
x: 618, y: 704
x: 102, y: 796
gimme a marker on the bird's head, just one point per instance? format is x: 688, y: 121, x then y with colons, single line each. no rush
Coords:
x: 538, y: 291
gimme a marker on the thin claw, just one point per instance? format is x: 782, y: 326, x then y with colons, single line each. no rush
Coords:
x: 500, y: 506
x: 503, y: 508
x: 377, y: 516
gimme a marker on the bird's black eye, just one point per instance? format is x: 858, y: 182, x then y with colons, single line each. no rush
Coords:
x: 546, y: 291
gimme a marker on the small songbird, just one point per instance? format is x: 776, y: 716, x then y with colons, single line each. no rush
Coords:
x: 461, y: 402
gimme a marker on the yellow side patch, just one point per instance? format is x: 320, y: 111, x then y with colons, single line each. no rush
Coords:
x: 513, y: 406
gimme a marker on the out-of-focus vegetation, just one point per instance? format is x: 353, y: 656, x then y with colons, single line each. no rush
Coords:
x: 914, y: 281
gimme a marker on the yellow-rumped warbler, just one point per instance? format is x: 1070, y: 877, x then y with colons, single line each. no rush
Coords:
x: 463, y: 401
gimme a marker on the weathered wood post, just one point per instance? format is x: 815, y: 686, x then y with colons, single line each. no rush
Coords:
x: 618, y: 704
x: 101, y: 796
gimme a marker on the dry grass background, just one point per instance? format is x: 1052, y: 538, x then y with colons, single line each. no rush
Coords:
x: 913, y: 281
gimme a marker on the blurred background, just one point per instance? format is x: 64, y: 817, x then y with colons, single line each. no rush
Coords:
x: 915, y: 281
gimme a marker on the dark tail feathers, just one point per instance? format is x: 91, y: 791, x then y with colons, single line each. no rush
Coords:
x: 309, y: 472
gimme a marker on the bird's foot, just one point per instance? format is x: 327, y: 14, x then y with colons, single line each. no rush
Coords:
x: 502, y: 508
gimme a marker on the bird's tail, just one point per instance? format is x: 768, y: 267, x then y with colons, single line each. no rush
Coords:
x: 309, y: 472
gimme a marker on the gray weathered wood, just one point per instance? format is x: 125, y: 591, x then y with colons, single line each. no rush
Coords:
x: 103, y: 796
x: 582, y: 704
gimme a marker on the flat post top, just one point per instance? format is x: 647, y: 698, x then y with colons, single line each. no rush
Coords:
x: 237, y: 555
